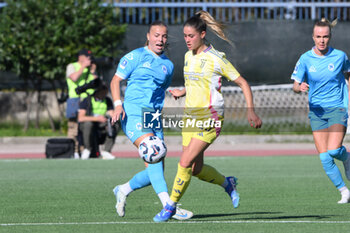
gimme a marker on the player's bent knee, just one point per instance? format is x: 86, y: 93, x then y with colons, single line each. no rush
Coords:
x: 337, y: 152
x: 196, y: 170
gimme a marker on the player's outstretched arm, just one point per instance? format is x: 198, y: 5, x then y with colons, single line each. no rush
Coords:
x: 118, y: 107
x: 253, y: 119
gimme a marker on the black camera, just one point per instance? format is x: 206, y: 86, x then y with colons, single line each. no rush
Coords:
x: 103, y: 62
x: 94, y: 84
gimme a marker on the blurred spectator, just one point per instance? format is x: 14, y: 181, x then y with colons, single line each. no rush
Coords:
x: 94, y: 123
x: 78, y: 74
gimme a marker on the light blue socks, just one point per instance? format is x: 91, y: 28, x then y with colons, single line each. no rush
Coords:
x: 153, y: 174
x: 140, y: 180
x: 156, y: 176
x: 331, y: 169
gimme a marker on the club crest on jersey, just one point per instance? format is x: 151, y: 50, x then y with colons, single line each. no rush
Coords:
x: 123, y: 64
x: 130, y: 56
x: 203, y: 61
x: 147, y: 64
x: 330, y: 66
x: 164, y: 69
x: 312, y: 69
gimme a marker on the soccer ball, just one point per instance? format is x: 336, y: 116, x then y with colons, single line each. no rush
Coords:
x: 152, y: 149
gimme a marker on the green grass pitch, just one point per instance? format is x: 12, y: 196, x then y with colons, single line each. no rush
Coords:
x: 278, y: 194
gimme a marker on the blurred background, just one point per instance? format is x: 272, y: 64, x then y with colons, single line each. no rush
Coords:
x: 38, y: 39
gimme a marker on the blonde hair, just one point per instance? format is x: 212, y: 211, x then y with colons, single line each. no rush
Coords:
x: 202, y: 19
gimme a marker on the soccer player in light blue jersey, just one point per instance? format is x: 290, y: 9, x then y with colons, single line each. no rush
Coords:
x: 148, y: 73
x: 320, y: 71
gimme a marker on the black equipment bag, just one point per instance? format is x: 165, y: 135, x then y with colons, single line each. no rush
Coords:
x: 57, y: 148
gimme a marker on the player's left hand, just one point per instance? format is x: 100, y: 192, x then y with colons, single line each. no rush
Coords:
x: 253, y: 119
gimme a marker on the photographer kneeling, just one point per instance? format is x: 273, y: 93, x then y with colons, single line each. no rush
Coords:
x: 93, y: 118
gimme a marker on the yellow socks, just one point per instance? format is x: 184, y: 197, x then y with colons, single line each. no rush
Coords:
x: 183, y: 178
x: 181, y: 182
x: 211, y: 175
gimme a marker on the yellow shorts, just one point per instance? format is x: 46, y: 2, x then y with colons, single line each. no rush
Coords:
x: 206, y: 135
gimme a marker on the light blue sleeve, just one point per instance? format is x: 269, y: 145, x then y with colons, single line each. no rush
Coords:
x: 127, y: 64
x: 169, y: 77
x: 346, y: 64
x: 299, y: 71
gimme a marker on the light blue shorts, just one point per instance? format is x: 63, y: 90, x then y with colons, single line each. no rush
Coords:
x: 133, y: 127
x: 323, y: 118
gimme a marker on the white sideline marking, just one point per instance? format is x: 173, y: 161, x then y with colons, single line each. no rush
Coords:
x: 172, y: 222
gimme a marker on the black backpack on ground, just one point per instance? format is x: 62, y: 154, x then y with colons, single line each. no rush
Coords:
x: 59, y: 148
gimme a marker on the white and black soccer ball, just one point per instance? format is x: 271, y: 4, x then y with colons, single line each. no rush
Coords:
x: 152, y: 149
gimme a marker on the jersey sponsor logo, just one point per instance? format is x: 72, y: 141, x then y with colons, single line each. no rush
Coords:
x: 330, y: 66
x: 164, y: 69
x: 147, y: 64
x: 123, y: 64
x: 130, y: 56
x: 191, y: 78
x: 312, y: 69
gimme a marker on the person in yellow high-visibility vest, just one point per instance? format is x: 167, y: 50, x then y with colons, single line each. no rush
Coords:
x: 93, y: 117
x: 78, y: 74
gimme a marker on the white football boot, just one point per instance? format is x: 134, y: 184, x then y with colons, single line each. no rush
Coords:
x: 121, y: 201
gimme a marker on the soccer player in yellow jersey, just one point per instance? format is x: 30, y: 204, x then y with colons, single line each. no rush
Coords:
x: 204, y: 68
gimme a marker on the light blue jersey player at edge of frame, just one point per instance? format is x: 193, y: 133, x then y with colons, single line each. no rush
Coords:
x: 148, y: 77
x: 148, y: 73
x: 328, y: 106
x: 325, y: 77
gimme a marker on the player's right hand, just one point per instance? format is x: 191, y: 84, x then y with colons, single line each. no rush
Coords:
x: 118, y: 111
x: 304, y: 87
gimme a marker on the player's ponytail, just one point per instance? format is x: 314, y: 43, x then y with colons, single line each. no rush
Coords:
x: 202, y: 19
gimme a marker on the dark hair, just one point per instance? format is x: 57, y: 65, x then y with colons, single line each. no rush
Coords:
x: 197, y: 23
x: 157, y: 23
x: 202, y: 19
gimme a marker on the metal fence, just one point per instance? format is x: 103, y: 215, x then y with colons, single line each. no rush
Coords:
x: 177, y: 11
